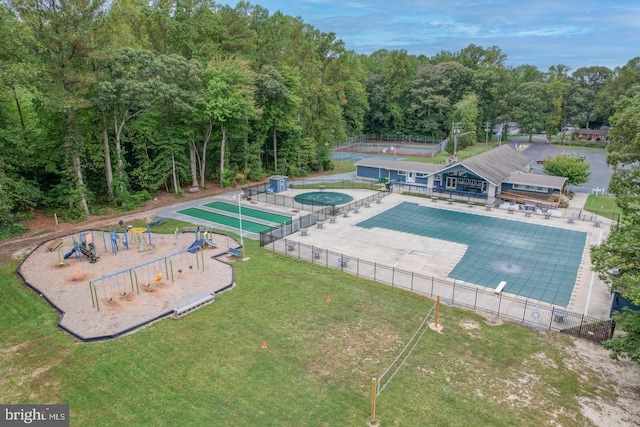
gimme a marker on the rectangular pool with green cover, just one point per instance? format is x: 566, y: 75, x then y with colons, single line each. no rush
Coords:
x: 216, y: 218
x: 536, y: 261
x: 249, y: 212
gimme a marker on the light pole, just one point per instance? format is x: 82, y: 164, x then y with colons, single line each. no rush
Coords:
x: 487, y: 128
x: 456, y: 131
x: 239, y: 197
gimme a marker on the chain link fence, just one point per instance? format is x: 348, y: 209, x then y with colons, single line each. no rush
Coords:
x: 515, y: 308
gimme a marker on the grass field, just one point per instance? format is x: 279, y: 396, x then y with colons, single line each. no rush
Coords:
x: 208, y: 368
x: 603, y: 205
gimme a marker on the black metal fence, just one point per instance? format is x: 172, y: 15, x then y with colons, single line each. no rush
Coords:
x: 319, y: 215
x: 519, y: 309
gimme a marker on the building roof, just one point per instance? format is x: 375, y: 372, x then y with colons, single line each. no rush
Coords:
x: 537, y: 180
x: 428, y: 168
x: 498, y: 165
x: 495, y: 165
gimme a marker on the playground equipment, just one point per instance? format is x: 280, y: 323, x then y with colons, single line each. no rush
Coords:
x: 130, y: 279
x: 138, y: 238
x: 202, y: 241
x: 115, y: 240
x: 81, y: 246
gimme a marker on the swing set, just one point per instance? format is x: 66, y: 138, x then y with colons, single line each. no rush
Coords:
x: 129, y: 280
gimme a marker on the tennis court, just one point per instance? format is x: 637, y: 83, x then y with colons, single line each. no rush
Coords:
x: 228, y: 221
x: 249, y: 212
x: 536, y: 261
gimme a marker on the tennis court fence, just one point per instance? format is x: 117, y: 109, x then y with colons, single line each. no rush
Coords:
x: 527, y: 311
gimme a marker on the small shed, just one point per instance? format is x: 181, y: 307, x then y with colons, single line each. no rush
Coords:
x: 278, y: 183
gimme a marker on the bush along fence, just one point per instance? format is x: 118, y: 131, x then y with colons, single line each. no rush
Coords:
x: 519, y: 309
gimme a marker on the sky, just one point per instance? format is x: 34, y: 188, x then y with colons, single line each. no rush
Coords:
x: 542, y: 33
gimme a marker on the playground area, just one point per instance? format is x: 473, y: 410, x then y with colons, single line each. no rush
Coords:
x: 105, y: 288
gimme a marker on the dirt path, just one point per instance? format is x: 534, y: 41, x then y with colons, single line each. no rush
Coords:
x: 43, y: 228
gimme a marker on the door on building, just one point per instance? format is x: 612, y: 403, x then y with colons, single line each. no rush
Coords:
x: 452, y: 183
x: 411, y: 177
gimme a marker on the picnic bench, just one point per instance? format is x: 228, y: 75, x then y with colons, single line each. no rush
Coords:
x: 234, y: 252
x: 450, y: 200
x: 54, y: 245
x: 343, y: 260
x: 316, y: 252
x: 157, y: 221
x: 597, y: 222
x: 488, y: 206
x: 547, y: 215
x: 187, y: 306
x: 320, y: 224
x: 470, y: 203
x: 332, y: 218
x: 571, y: 219
x: 345, y: 213
x: 291, y: 246
x: 510, y: 209
x: 356, y: 209
x: 527, y: 213
x: 434, y: 199
x: 304, y: 231
x: 367, y: 204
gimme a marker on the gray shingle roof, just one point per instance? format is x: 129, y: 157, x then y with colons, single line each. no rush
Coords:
x: 497, y: 164
x: 537, y: 180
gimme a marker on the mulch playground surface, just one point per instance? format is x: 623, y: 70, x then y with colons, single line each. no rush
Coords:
x: 67, y: 286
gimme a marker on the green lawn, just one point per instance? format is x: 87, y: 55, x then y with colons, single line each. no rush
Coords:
x: 603, y: 205
x: 208, y: 368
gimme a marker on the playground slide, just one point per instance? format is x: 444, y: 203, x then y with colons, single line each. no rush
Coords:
x: 195, y: 246
x: 210, y: 243
x: 68, y: 254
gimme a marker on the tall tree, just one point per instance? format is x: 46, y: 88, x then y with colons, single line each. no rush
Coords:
x: 65, y: 34
x: 617, y: 260
x: 129, y: 85
x: 531, y: 107
x: 279, y: 104
x: 229, y: 86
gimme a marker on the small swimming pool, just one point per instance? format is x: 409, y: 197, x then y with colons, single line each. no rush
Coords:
x: 323, y: 198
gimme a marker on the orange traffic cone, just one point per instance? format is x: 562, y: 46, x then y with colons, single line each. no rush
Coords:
x: 328, y: 298
x: 264, y: 345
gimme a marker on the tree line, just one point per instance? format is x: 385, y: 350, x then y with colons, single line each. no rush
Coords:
x: 106, y: 103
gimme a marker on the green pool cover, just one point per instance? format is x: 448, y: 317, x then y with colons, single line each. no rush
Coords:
x: 536, y: 261
x: 323, y: 198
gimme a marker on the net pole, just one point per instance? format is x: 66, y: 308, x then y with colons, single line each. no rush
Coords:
x: 373, y: 400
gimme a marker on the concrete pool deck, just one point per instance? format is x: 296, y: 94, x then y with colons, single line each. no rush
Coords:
x: 432, y: 257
